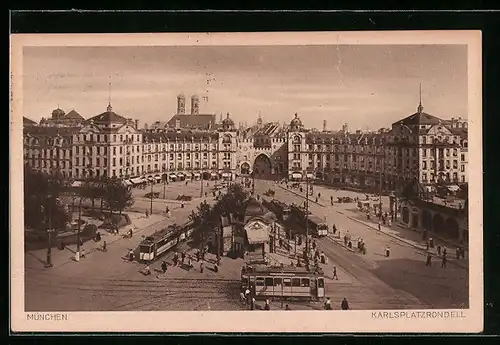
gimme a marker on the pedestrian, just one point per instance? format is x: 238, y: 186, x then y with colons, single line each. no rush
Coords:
x: 267, y: 306
x: 287, y: 307
x: 201, y: 267
x: 183, y: 256
x: 443, y: 262
x: 176, y: 258
x: 104, y: 246
x: 387, y: 252
x: 439, y: 250
x: 334, y: 229
x: 197, y: 256
x: 147, y: 213
x: 130, y: 232
x: 83, y: 253
x: 379, y: 226
x: 247, y: 295
x: 147, y: 270
x: 431, y: 242
x: 216, y: 268
x: 444, y: 251
x: 428, y: 262
x: 242, y: 298
x: 189, y: 262
x: 164, y: 266
x: 131, y: 255
x: 328, y: 304
x: 458, y: 253
x: 252, y: 304
x: 335, y: 273
x: 344, y: 305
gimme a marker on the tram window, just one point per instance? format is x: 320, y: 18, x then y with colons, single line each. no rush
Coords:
x: 259, y: 282
x: 268, y: 281
x: 145, y: 249
x: 296, y: 282
x: 277, y: 282
x: 304, y: 282
x: 321, y: 283
x: 287, y: 282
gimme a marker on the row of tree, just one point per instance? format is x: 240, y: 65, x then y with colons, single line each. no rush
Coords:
x: 207, y: 218
x: 43, y: 192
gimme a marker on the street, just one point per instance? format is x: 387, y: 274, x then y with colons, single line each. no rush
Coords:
x: 403, y: 272
x: 107, y: 281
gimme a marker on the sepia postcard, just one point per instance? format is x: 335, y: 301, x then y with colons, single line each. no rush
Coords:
x: 246, y: 182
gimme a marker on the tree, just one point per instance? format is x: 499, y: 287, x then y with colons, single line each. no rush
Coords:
x: 41, y: 199
x: 232, y: 201
x: 203, y: 221
x: 117, y: 196
x: 92, y: 189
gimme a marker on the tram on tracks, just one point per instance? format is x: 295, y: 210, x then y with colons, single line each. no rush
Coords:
x: 317, y: 226
x: 282, y: 282
x: 279, y: 208
x: 153, y: 246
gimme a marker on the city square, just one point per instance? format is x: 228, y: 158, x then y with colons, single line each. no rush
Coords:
x: 111, y: 203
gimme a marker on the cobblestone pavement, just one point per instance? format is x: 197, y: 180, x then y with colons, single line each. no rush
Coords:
x: 403, y: 271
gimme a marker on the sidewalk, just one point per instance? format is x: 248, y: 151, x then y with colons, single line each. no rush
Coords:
x: 463, y: 263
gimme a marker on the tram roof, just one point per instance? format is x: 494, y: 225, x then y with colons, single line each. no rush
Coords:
x: 263, y: 269
x: 162, y: 233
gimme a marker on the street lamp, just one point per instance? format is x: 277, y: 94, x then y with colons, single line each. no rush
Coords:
x: 151, y: 197
x: 49, y: 231
x: 201, y: 171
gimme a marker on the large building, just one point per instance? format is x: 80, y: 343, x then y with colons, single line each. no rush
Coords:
x: 111, y: 145
x: 419, y: 147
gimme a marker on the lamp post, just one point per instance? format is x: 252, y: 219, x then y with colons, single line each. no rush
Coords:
x: 307, y: 213
x: 151, y: 198
x: 201, y: 171
x: 49, y: 231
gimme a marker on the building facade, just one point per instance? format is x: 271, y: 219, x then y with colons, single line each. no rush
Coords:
x: 419, y: 147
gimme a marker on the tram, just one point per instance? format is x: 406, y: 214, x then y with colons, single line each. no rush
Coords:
x: 282, y: 282
x: 279, y: 208
x: 158, y: 243
x: 317, y: 226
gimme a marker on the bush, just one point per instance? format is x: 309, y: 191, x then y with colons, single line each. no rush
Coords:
x: 116, y: 220
x: 153, y: 195
x: 184, y: 197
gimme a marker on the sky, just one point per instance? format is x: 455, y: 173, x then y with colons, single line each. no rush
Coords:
x: 366, y: 86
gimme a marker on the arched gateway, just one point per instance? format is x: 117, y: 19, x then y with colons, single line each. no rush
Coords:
x: 262, y: 167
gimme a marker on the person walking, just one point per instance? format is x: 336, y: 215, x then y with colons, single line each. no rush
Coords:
x: 104, y: 246
x: 147, y: 213
x: 443, y: 261
x: 287, y: 307
x: 183, y: 256
x: 164, y: 266
x: 83, y: 253
x: 267, y: 306
x: 344, y: 305
x: 444, y: 250
x: 379, y: 227
x: 201, y: 267
x: 252, y: 304
x: 328, y: 304
x: 387, y: 252
x: 428, y: 261
x: 335, y: 273
x: 439, y: 250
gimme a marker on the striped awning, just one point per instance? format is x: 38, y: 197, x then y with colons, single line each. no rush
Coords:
x: 137, y: 180
x: 158, y: 177
x: 309, y: 175
x: 172, y: 175
x: 297, y: 175
x: 213, y: 174
x: 226, y: 174
x: 150, y: 178
x: 127, y: 182
x: 197, y: 174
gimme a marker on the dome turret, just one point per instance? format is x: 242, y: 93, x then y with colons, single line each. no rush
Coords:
x: 296, y: 123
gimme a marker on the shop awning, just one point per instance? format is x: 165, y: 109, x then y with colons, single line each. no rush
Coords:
x: 137, y: 180
x: 226, y: 174
x: 257, y: 235
x: 181, y: 174
x: 158, y: 177
x: 453, y: 188
x: 309, y: 175
x: 77, y: 184
x: 172, y: 175
x: 127, y: 182
x: 297, y: 175
x: 197, y: 174
x: 150, y: 178
x: 189, y: 174
x: 213, y: 174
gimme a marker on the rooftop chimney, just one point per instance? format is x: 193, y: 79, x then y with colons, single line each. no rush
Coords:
x: 136, y: 124
x: 324, y: 126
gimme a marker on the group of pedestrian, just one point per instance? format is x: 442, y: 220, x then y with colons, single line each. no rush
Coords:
x: 344, y: 305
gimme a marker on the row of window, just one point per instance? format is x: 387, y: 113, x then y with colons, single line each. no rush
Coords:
x: 433, y: 178
x: 442, y: 165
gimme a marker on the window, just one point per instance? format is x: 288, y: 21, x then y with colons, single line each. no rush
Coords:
x: 295, y: 282
x: 424, y: 153
x: 424, y: 177
x: 462, y: 157
x: 424, y: 165
x: 277, y: 282
x: 455, y: 164
x: 462, y: 168
x: 304, y: 282
x: 268, y: 281
x: 259, y: 282
x: 287, y: 282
